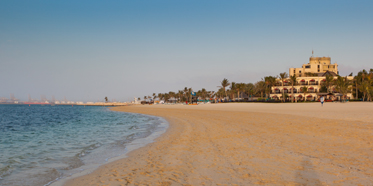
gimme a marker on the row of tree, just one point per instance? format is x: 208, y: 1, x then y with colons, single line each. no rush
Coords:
x: 361, y: 85
x: 181, y: 95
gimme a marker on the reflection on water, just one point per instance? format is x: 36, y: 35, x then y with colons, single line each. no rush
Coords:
x: 40, y: 143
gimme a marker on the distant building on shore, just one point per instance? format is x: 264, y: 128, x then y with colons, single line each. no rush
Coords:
x: 136, y: 100
x: 312, y: 76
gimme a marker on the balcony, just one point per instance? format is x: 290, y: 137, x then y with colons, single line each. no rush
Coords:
x: 313, y: 83
x: 303, y: 83
x: 310, y: 91
x: 285, y: 91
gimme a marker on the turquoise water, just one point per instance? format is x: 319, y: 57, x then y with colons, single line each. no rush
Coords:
x: 39, y: 144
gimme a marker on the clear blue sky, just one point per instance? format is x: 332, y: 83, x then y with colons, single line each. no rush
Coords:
x: 90, y: 49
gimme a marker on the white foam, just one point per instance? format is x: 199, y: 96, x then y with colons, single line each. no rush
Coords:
x: 135, y: 144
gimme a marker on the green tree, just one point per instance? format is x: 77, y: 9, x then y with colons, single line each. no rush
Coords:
x: 260, y: 86
x: 329, y: 81
x: 232, y: 90
x: 106, y: 99
x: 323, y: 89
x: 360, y: 86
x: 225, y: 83
x: 369, y: 79
x: 249, y: 89
x: 293, y: 81
x: 180, y: 94
x: 283, y: 76
x: 186, y: 93
x: 172, y: 95
x: 305, y: 91
x: 240, y: 87
x: 342, y: 85
x: 355, y: 83
x: 166, y: 97
x: 190, y: 90
x: 220, y: 93
x: 203, y: 93
x: 363, y: 87
x: 269, y: 81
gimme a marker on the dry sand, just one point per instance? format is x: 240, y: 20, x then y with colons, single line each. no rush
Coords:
x: 250, y: 144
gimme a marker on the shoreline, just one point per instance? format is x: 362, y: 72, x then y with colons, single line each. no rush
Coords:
x: 131, y: 146
x: 245, y: 144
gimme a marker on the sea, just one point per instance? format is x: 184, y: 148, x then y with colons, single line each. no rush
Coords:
x: 40, y: 145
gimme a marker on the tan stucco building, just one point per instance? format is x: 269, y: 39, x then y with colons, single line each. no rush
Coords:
x: 311, y: 75
x: 318, y: 65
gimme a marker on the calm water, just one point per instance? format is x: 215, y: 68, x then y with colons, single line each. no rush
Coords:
x: 39, y: 144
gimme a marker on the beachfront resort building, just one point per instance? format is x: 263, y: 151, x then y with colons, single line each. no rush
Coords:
x: 317, y: 65
x: 312, y: 76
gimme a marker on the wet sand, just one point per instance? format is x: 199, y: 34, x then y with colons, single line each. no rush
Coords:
x: 249, y: 144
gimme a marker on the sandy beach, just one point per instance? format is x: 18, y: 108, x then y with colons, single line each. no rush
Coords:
x: 249, y: 144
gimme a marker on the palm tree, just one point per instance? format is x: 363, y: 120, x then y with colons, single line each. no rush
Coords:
x: 364, y: 83
x: 171, y: 95
x: 230, y: 93
x: 249, y: 89
x: 369, y: 79
x: 180, y: 94
x: 203, y: 93
x: 293, y: 81
x: 305, y: 91
x: 356, y: 87
x: 232, y: 90
x: 270, y: 81
x: 186, y: 93
x: 224, y: 83
x: 283, y: 76
x: 240, y: 87
x: 106, y: 99
x: 166, y: 97
x: 221, y: 92
x: 190, y: 90
x: 329, y: 80
x: 342, y: 85
x: 363, y: 87
x: 260, y: 86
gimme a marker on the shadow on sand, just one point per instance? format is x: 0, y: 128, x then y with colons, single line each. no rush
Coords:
x: 307, y: 175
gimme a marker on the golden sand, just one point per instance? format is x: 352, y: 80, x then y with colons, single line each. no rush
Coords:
x: 250, y: 144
